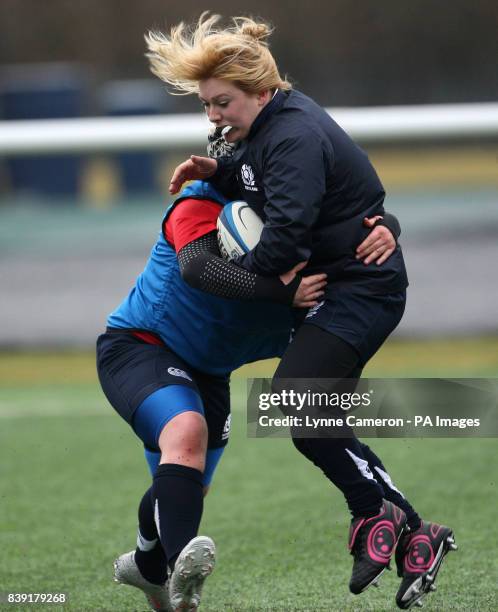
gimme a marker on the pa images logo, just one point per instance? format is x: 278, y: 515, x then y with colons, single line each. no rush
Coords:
x: 247, y: 175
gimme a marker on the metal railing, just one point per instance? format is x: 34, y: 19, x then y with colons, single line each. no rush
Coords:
x: 368, y: 124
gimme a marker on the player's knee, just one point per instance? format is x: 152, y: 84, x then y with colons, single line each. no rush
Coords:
x: 184, y: 440
x: 189, y: 431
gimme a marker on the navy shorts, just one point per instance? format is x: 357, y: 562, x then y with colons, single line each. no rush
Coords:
x: 363, y: 321
x: 130, y: 370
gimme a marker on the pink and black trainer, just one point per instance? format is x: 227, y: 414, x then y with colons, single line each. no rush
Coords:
x: 419, y: 556
x: 372, y: 542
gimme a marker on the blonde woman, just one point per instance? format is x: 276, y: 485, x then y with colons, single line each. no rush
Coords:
x: 312, y: 185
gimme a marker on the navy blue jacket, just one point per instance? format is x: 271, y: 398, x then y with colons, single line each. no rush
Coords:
x: 312, y: 186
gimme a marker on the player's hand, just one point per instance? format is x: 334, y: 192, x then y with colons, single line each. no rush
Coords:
x: 194, y: 168
x: 378, y: 246
x: 310, y: 288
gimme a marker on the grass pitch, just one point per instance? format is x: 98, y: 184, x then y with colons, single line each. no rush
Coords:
x: 73, y: 473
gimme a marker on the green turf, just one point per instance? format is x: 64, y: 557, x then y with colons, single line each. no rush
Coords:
x: 72, y: 476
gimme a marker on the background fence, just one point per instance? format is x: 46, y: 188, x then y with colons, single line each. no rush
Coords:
x: 83, y: 199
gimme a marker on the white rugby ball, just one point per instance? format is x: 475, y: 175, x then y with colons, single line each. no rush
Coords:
x: 239, y: 230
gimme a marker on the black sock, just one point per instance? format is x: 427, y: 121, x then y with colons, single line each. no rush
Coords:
x: 149, y: 554
x: 177, y: 493
x: 390, y: 492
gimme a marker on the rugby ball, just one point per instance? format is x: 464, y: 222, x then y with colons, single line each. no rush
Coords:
x: 239, y: 230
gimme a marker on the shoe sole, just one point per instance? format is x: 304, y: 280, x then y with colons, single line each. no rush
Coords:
x: 424, y: 584
x: 194, y: 565
x: 375, y: 580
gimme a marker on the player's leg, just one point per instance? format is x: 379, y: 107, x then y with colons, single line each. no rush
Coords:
x: 329, y: 357
x: 419, y: 556
x: 135, y: 377
x: 149, y: 553
x: 171, y: 419
x: 196, y: 559
x: 422, y: 546
x: 337, y: 340
x: 391, y: 492
x: 168, y: 413
x: 149, y: 556
x: 177, y: 488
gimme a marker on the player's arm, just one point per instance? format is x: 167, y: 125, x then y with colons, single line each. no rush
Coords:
x: 219, y: 172
x: 192, y: 232
x: 202, y: 267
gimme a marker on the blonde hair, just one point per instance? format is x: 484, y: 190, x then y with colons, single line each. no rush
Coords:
x: 238, y: 54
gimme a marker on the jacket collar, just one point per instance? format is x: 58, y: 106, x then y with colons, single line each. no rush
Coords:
x: 273, y: 106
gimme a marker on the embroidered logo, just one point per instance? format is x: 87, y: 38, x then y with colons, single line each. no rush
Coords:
x: 226, y: 428
x: 178, y: 372
x: 247, y: 174
x: 312, y: 311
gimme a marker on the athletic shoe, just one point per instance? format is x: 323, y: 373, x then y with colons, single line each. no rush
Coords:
x: 126, y: 572
x: 418, y: 558
x: 372, y: 542
x: 193, y: 566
